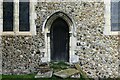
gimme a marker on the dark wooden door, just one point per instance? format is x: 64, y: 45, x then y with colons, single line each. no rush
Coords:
x: 59, y: 40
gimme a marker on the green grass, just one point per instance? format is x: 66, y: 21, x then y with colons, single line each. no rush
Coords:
x: 31, y: 77
x: 18, y: 76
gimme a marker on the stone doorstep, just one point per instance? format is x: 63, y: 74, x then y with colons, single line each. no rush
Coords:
x: 48, y: 74
x: 66, y: 73
x: 73, y: 72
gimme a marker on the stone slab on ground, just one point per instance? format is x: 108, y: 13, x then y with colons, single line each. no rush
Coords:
x: 66, y: 73
x: 44, y: 75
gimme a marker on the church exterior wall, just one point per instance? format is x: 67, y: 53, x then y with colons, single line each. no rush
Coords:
x: 98, y: 53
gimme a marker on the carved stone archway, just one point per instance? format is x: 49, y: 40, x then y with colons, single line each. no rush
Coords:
x: 72, y: 43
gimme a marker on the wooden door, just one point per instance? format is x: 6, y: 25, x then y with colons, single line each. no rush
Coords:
x: 59, y: 40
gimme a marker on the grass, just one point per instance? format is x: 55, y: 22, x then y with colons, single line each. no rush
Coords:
x: 31, y: 77
x: 18, y: 76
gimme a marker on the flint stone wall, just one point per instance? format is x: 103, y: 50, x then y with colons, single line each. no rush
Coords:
x: 98, y: 53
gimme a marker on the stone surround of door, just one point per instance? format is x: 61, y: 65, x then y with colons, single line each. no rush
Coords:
x: 72, y: 36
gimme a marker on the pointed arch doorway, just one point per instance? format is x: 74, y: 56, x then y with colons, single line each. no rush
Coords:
x: 59, y: 40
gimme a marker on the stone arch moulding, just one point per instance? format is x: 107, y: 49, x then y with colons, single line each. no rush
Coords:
x: 72, y: 31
